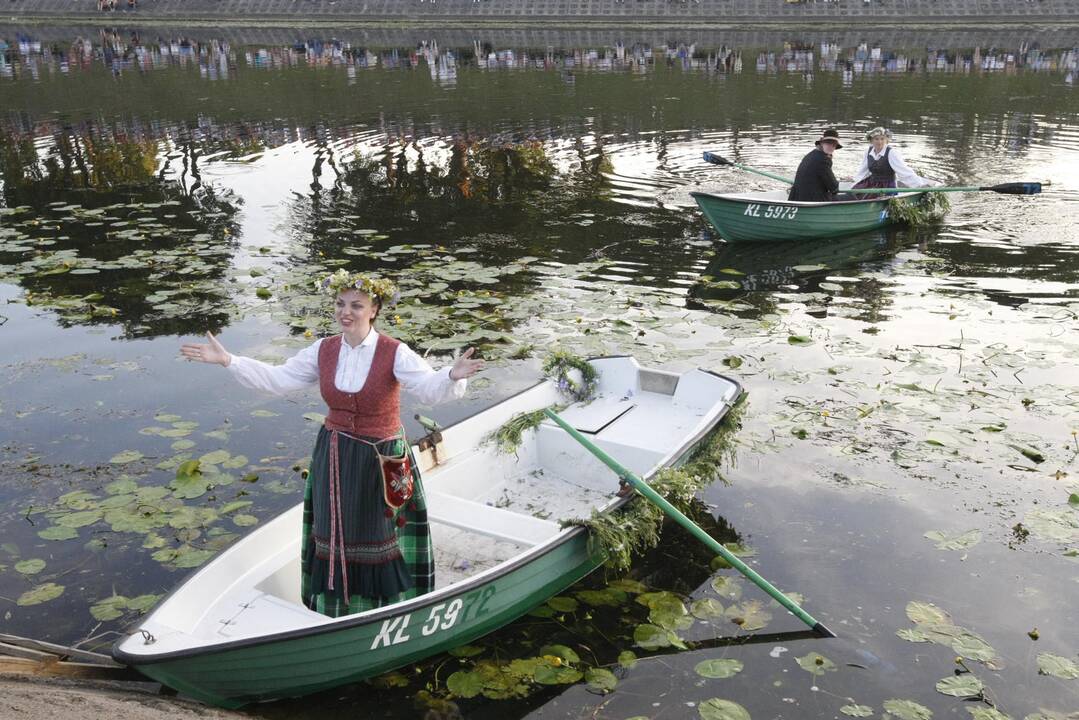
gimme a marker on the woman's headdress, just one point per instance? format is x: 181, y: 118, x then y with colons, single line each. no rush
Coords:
x: 878, y: 132
x: 378, y: 288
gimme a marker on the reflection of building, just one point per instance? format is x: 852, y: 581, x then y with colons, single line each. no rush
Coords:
x: 218, y: 60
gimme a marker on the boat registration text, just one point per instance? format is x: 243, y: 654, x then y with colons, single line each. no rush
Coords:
x: 778, y: 212
x: 442, y: 616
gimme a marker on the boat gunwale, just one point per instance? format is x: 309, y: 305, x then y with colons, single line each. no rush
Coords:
x: 349, y: 622
x: 744, y: 199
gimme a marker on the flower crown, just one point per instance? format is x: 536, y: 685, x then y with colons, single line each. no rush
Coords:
x: 378, y: 288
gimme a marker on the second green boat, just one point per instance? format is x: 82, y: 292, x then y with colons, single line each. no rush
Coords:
x: 770, y: 217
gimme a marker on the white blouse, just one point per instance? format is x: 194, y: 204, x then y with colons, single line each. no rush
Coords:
x: 353, y: 365
x: 904, y: 176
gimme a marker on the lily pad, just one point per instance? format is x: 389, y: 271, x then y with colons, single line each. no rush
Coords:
x: 857, y: 710
x: 1057, y: 666
x: 563, y: 604
x: 907, y: 709
x: 650, y: 637
x: 962, y: 541
x: 926, y: 613
x: 464, y: 684
x: 110, y: 608
x: 127, y: 456
x: 720, y: 668
x: 816, y: 664
x: 961, y: 686
x: 30, y: 567
x: 40, y: 594
x: 58, y: 532
x: 567, y: 654
x: 600, y: 680
x: 720, y: 709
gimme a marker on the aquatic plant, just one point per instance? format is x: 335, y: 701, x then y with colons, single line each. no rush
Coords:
x: 933, y: 206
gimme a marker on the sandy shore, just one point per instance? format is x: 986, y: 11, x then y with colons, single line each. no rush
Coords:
x: 25, y: 697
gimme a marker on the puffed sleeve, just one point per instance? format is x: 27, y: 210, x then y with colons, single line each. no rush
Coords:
x: 905, y: 177
x: 430, y: 386
x: 298, y: 372
x: 863, y: 169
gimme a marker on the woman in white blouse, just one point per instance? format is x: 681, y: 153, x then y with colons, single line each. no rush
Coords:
x: 365, y: 539
x: 883, y: 165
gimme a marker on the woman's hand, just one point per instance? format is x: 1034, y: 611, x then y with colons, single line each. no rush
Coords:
x: 212, y: 352
x: 465, y: 366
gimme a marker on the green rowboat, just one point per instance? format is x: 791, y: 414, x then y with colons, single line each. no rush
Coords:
x: 770, y: 217
x: 235, y: 631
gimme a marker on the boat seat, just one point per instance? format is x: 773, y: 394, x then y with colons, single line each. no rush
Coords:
x: 485, y: 519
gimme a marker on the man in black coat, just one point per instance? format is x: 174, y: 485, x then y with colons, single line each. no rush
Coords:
x: 815, y: 181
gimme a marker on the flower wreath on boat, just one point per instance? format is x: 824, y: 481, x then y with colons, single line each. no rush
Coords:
x: 380, y: 288
x: 573, y: 375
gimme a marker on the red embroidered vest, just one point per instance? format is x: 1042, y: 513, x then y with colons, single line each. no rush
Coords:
x: 374, y: 411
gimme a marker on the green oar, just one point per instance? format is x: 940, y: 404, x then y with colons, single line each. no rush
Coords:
x: 1013, y: 188
x: 720, y: 160
x: 644, y: 489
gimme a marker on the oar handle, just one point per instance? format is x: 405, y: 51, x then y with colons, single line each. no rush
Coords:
x: 645, y: 489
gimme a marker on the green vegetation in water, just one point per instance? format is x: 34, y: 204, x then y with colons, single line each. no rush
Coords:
x: 508, y: 437
x: 933, y: 206
x: 635, y: 528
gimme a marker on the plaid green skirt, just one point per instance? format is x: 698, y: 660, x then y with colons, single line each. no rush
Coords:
x: 388, y: 556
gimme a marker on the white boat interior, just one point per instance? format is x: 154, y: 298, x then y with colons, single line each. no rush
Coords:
x: 486, y: 507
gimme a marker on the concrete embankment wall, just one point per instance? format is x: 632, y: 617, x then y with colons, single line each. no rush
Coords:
x: 544, y: 12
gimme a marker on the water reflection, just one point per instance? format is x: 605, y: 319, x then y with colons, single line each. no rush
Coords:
x: 216, y: 59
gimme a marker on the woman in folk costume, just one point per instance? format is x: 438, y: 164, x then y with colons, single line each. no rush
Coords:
x: 366, y: 542
x: 883, y: 165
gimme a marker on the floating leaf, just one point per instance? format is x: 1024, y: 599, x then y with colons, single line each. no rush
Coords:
x: 857, y: 710
x: 234, y: 505
x: 79, y: 519
x: 142, y: 603
x: 627, y: 659
x: 315, y: 417
x: 30, y: 567
x: 720, y: 709
x: 40, y: 594
x: 706, y: 608
x: 965, y: 685
x: 721, y: 668
x: 109, y: 609
x: 907, y: 709
x: 243, y: 520
x: 215, y: 458
x: 972, y: 646
x: 926, y: 613
x: 127, y: 456
x: 563, y: 604
x: 749, y: 615
x: 121, y: 487
x: 464, y: 684
x: 560, y: 675
x: 628, y: 585
x: 561, y: 651
x: 914, y: 635
x: 816, y: 664
x: 600, y: 680
x: 1029, y: 453
x: 264, y: 413
x: 727, y: 587
x: 987, y: 713
x: 58, y: 532
x: 1057, y: 666
x: 800, y: 340
x: 650, y: 637
x: 962, y: 541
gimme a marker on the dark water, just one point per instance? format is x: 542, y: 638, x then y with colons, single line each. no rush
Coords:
x: 901, y: 383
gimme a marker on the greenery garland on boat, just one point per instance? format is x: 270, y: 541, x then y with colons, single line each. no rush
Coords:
x: 559, y: 367
x: 635, y: 528
x: 932, y: 207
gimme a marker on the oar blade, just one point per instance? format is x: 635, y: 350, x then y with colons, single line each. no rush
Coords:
x: 1016, y: 188
x: 711, y: 157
